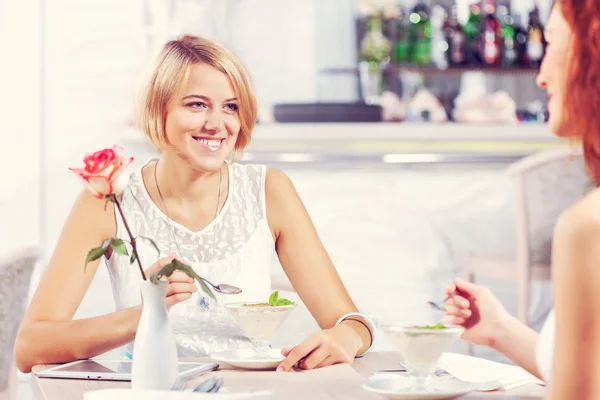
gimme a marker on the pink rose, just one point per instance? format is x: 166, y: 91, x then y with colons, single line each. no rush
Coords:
x: 103, y: 173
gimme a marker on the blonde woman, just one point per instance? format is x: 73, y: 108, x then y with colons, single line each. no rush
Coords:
x: 225, y: 219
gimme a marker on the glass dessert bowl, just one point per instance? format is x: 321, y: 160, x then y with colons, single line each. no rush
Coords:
x: 260, y: 320
x: 421, y: 347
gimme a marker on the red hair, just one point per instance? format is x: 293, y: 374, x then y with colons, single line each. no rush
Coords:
x: 582, y: 99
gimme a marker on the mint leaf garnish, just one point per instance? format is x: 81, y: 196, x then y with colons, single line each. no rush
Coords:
x: 275, y: 301
x: 432, y: 327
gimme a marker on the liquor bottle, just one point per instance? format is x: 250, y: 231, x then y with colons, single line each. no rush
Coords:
x: 521, y: 39
x: 421, y: 32
x: 473, y: 34
x: 455, y: 37
x: 510, y: 55
x: 375, y: 47
x: 536, y: 41
x: 439, y: 44
x: 492, y: 34
x: 402, y: 44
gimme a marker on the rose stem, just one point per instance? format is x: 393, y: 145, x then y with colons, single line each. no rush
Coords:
x: 131, y: 238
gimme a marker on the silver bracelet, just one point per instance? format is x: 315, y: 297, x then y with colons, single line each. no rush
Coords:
x: 372, y: 330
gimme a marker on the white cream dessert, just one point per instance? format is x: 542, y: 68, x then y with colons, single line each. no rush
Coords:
x: 259, y: 321
x: 421, y: 347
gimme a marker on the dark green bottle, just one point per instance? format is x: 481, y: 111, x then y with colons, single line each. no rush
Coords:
x: 510, y: 51
x: 420, y: 32
x: 473, y: 35
x: 402, y: 45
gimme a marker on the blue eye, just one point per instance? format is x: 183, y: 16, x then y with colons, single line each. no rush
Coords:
x: 196, y: 104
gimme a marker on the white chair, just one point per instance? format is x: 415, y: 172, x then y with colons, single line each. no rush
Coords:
x: 15, y: 276
x: 545, y: 184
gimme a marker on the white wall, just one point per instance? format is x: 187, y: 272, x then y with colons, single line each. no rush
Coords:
x: 20, y: 121
x: 276, y: 39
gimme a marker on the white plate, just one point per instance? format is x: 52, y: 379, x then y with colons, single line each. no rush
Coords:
x: 248, y: 359
x: 395, y: 386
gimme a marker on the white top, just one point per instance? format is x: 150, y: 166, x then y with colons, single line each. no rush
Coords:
x: 237, y: 248
x: 545, y: 347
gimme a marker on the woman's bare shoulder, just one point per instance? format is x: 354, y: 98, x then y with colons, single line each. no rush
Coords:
x: 580, y: 223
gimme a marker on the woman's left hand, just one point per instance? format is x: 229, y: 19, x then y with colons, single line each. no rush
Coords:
x: 324, y: 348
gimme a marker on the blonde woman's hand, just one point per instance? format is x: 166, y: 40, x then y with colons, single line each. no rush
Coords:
x: 181, y: 286
x: 324, y: 348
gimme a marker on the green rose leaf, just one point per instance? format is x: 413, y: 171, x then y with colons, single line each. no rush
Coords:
x: 174, y: 265
x: 132, y: 258
x: 273, y: 298
x: 119, y: 246
x: 93, y: 255
x: 283, y: 302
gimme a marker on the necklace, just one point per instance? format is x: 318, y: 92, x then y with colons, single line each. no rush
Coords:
x: 203, y: 300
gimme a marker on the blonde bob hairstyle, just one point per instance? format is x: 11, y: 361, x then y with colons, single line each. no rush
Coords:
x: 166, y: 80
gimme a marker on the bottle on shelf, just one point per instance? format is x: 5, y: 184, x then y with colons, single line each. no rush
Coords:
x: 521, y: 39
x: 536, y: 42
x: 439, y: 44
x: 492, y: 36
x: 374, y: 46
x: 510, y: 55
x: 455, y: 37
x: 473, y: 35
x: 421, y: 32
x: 402, y: 43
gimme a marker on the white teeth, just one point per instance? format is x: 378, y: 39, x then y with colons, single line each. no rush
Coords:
x: 211, y: 143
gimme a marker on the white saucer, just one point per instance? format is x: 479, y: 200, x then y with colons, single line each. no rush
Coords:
x: 248, y: 359
x: 398, y: 387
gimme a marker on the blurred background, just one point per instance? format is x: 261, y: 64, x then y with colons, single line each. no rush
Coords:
x: 396, y: 120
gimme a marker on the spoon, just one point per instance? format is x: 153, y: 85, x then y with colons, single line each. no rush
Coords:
x: 211, y: 385
x: 217, y: 386
x: 223, y: 288
x: 440, y: 306
x: 436, y: 305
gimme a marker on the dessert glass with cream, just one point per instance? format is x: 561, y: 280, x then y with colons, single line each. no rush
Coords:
x: 420, y: 347
x: 260, y: 321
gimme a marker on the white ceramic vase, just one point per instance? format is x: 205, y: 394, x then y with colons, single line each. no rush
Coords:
x: 154, y: 364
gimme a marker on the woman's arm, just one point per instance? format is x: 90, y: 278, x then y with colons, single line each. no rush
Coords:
x: 519, y: 343
x: 47, y: 333
x: 576, y: 277
x: 308, y: 265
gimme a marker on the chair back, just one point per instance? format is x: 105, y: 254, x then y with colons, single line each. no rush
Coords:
x: 16, y: 270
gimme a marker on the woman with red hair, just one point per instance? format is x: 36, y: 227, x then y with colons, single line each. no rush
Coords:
x: 567, y: 352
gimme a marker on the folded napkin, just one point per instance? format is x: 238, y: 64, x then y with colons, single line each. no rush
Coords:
x: 478, y: 370
x: 127, y: 394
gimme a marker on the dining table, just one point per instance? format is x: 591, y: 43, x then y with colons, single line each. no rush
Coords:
x: 341, y: 381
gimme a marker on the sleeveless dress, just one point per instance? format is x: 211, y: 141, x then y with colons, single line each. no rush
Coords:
x: 545, y: 347
x: 237, y: 248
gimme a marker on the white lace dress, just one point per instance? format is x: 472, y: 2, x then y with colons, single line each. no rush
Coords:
x: 236, y: 248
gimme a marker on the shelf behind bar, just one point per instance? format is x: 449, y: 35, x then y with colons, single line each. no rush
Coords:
x: 430, y: 70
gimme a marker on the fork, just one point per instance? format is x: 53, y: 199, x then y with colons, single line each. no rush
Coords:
x: 179, y: 384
